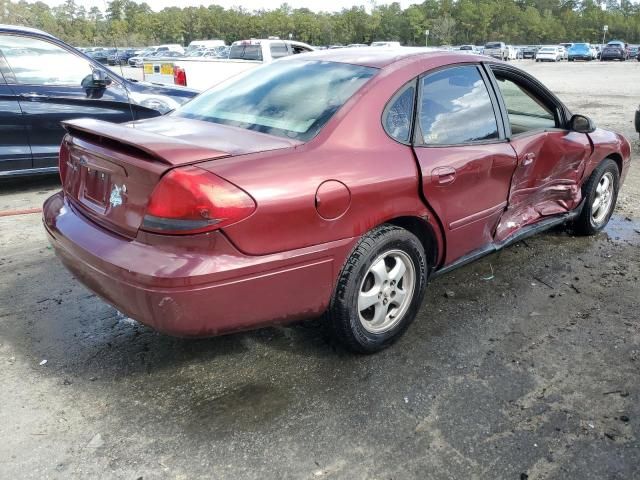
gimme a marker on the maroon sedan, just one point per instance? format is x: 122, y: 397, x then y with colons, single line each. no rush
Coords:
x: 332, y: 183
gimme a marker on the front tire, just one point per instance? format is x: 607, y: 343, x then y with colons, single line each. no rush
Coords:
x: 379, y: 290
x: 600, y: 194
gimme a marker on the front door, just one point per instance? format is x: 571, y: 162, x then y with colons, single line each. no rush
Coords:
x: 47, y: 79
x: 15, y: 153
x: 551, y: 158
x: 464, y: 157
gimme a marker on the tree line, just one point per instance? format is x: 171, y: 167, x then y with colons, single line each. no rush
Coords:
x: 128, y: 23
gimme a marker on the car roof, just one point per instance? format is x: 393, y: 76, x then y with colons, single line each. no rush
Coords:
x: 21, y: 29
x: 382, y: 57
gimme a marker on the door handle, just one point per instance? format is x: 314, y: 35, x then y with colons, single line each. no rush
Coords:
x: 528, y: 158
x: 443, y: 175
x: 33, y: 96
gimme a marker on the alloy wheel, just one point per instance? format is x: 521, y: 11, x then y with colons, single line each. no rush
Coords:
x: 603, y: 199
x: 386, y: 291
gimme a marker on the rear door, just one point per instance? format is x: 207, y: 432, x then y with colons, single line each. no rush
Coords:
x: 15, y: 153
x: 47, y: 79
x: 463, y: 154
x: 551, y: 158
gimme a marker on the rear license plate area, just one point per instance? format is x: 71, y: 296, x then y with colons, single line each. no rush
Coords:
x: 96, y: 186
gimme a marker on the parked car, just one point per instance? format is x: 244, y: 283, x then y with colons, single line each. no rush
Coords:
x: 137, y: 61
x: 47, y: 81
x: 567, y: 45
x: 202, y: 73
x: 468, y: 49
x: 550, y: 54
x: 241, y: 209
x: 204, y: 44
x: 529, y: 52
x: 121, y: 57
x: 580, y: 51
x: 497, y: 50
x: 564, y: 51
x: 103, y: 55
x: 614, y: 50
x: 386, y: 44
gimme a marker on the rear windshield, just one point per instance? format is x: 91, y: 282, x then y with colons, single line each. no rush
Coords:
x: 493, y: 45
x: 246, y: 52
x: 292, y: 99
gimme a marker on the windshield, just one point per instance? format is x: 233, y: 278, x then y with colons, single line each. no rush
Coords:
x: 580, y: 46
x: 547, y: 49
x: 293, y: 99
x: 493, y: 45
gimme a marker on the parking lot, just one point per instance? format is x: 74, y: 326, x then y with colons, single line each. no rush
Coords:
x: 525, y: 364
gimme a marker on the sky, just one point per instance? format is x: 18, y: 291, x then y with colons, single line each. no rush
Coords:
x: 316, y: 5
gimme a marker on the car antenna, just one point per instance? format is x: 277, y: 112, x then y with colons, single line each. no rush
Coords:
x: 124, y: 83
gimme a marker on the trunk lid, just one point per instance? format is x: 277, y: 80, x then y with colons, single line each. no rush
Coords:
x: 111, y: 170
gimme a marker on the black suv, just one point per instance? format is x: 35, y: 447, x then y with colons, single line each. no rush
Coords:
x: 44, y: 81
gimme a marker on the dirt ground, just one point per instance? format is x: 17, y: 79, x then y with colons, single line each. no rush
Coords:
x: 532, y: 372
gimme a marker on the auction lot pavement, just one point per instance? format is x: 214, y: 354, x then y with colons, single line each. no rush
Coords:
x: 529, y: 366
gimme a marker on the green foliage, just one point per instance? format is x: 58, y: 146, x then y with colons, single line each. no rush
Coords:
x: 127, y: 22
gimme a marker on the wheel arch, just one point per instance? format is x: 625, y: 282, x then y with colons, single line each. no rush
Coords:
x: 616, y: 157
x: 431, y: 239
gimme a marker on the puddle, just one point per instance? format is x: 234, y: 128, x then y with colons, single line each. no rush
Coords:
x: 623, y: 229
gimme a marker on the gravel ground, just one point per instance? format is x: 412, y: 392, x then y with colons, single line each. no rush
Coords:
x: 532, y: 372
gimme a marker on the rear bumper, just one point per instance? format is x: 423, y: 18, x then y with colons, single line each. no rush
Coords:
x: 193, y: 286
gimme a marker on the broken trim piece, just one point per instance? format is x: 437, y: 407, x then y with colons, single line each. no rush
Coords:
x: 521, y: 234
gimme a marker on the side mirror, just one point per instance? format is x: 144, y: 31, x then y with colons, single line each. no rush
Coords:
x: 98, y: 79
x: 581, y: 124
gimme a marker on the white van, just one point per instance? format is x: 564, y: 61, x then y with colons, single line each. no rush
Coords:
x: 385, y: 44
x: 171, y: 47
x: 196, y: 44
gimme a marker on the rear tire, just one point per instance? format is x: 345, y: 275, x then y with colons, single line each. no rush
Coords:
x: 600, y: 194
x: 379, y: 290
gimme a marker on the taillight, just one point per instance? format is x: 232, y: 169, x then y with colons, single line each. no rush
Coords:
x: 191, y: 200
x: 179, y: 76
x: 63, y: 159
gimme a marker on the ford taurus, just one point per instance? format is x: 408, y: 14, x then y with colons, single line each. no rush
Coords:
x: 331, y: 184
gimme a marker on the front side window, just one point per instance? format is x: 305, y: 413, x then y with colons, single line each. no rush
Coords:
x: 294, y: 99
x: 526, y: 111
x: 38, y: 62
x: 455, y: 108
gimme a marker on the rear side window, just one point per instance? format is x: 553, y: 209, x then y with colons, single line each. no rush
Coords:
x: 399, y: 113
x: 455, y: 108
x: 246, y: 52
x: 278, y: 49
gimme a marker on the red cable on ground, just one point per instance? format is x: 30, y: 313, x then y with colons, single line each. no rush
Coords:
x: 10, y: 213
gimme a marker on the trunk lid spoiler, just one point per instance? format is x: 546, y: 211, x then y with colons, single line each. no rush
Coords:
x: 168, y: 150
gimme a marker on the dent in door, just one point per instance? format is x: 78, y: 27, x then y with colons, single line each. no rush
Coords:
x: 546, y: 180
